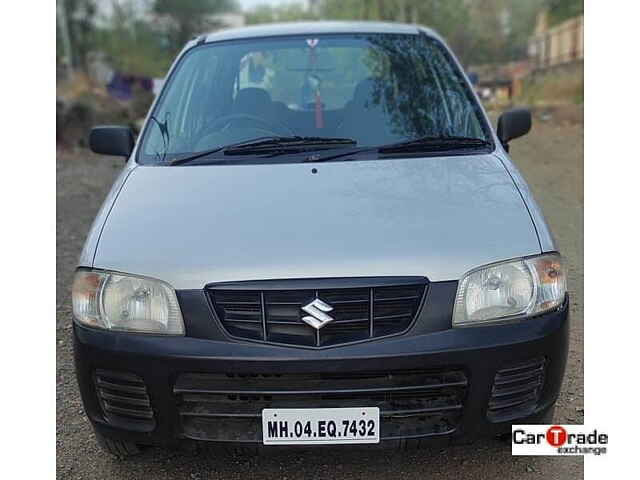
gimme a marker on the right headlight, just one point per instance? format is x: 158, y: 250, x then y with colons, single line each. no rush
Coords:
x: 516, y: 288
x: 127, y: 303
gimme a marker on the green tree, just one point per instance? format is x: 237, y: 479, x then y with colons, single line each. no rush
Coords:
x: 131, y: 45
x: 561, y: 10
x: 190, y: 17
x: 358, y: 9
x: 284, y: 13
x: 522, y: 18
x: 80, y: 16
x: 479, y: 31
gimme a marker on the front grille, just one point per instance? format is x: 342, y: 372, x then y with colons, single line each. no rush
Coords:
x: 360, y: 313
x: 124, y: 400
x: 228, y: 407
x: 516, y: 390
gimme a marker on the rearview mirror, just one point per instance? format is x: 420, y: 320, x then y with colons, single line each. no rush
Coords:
x: 112, y: 140
x: 513, y: 124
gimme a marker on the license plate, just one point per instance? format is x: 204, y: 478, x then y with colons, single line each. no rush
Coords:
x: 317, y: 426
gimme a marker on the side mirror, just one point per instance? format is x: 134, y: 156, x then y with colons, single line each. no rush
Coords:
x: 112, y: 140
x: 513, y: 124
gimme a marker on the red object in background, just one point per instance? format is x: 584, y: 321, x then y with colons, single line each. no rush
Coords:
x: 319, y: 115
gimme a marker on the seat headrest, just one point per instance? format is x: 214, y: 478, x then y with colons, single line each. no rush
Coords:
x: 251, y: 100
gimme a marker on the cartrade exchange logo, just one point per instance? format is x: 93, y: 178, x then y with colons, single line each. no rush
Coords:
x: 557, y: 440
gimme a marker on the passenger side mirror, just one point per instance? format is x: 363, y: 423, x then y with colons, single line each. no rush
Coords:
x: 513, y: 124
x: 112, y: 140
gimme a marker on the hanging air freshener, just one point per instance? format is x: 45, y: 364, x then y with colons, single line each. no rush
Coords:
x: 314, y: 80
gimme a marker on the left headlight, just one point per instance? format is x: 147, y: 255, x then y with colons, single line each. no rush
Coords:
x: 516, y: 288
x: 115, y: 301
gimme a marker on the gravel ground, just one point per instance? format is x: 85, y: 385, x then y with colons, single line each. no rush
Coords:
x: 551, y: 160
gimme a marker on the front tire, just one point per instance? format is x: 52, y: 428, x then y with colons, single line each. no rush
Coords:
x: 118, y: 448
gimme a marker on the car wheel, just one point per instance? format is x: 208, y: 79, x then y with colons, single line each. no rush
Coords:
x: 118, y: 448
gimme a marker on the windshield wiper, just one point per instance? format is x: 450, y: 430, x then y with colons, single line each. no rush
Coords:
x: 206, y: 153
x: 273, y: 144
x: 434, y: 144
x: 277, y: 143
x: 416, y: 145
x: 348, y: 153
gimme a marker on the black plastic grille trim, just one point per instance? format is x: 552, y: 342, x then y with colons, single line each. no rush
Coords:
x: 228, y: 407
x: 124, y: 400
x: 516, y: 390
x: 360, y: 312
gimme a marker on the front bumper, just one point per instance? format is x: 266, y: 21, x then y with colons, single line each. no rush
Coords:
x: 482, y: 356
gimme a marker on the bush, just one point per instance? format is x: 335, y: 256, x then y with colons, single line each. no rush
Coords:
x: 80, y: 106
x: 561, y: 85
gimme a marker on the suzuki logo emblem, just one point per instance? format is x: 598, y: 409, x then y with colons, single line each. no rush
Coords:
x: 317, y: 311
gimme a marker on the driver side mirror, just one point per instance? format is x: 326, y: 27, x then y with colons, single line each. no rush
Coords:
x: 112, y: 140
x: 513, y: 124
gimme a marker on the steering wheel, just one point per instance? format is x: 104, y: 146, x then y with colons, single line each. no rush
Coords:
x: 270, y: 125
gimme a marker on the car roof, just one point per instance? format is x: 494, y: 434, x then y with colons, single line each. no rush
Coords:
x: 315, y: 28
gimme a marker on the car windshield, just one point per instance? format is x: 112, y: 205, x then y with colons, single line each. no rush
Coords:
x: 374, y: 89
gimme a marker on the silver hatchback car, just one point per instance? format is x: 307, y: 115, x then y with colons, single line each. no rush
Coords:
x: 317, y: 239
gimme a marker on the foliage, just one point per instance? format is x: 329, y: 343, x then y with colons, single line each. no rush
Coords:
x: 80, y: 15
x: 284, y: 13
x: 561, y: 10
x: 556, y: 86
x: 479, y: 31
x: 190, y: 17
x: 131, y: 45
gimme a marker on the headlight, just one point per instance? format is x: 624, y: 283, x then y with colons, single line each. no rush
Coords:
x: 115, y: 301
x: 516, y: 288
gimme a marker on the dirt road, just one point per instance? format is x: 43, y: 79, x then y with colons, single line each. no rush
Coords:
x: 551, y: 160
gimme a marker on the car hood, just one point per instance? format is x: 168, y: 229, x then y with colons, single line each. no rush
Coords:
x: 434, y: 217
